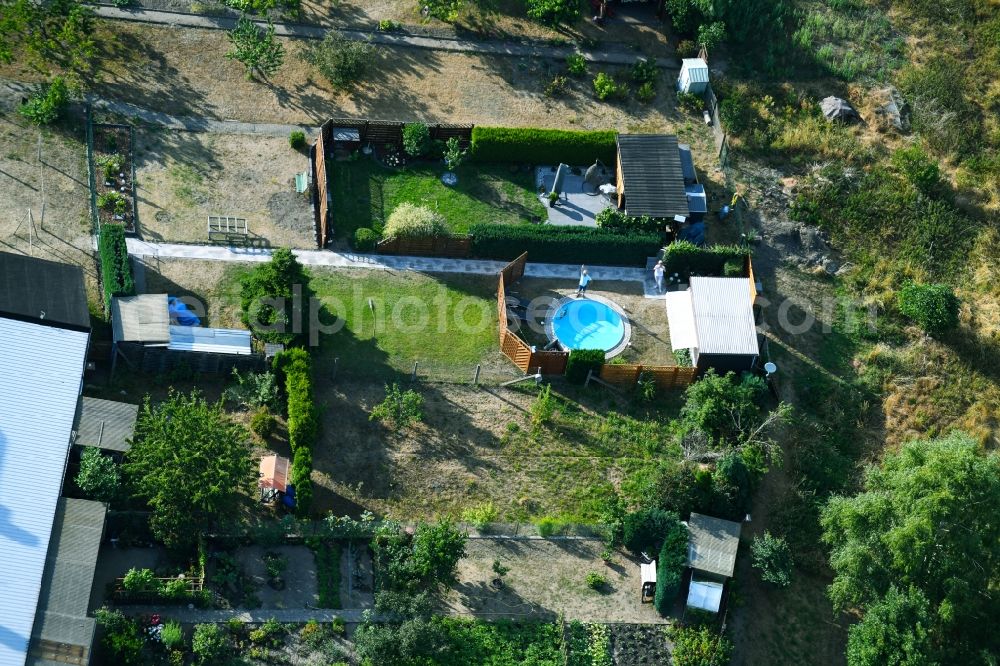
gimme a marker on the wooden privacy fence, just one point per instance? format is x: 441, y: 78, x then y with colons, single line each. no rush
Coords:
x: 666, y: 376
x: 321, y: 193
x: 513, y: 347
x: 436, y: 246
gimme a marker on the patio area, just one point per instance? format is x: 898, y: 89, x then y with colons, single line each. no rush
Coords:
x: 579, y: 203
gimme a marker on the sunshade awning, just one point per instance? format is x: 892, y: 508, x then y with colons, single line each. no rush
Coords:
x: 680, y: 318
x: 648, y: 572
x: 274, y: 473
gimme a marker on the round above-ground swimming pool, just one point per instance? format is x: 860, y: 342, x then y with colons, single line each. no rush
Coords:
x: 589, y: 323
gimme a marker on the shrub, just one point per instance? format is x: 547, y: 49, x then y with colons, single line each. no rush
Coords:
x: 646, y: 93
x: 267, y: 297
x: 732, y: 268
x: 556, y: 87
x: 444, y: 10
x: 581, y: 362
x: 542, y: 409
x: 47, y: 103
x: 712, y: 34
x: 388, y: 25
x: 683, y: 358
x: 528, y: 145
x: 303, y: 424
x: 253, y: 390
x: 699, y: 647
x: 342, y: 61
x: 481, y: 516
x: 410, y: 221
x: 554, y: 12
x: 645, y: 71
x: 112, y: 202
x: 606, y: 88
x: 172, y: 635
x: 686, y: 49
x: 915, y: 165
x: 116, y: 270
x: 99, y: 477
x: 773, y: 557
x: 643, y: 530
x: 110, y: 165
x: 399, y: 409
x: 209, y: 644
x: 547, y: 526
x: 257, y: 48
x: 416, y: 139
x: 140, y: 580
x: 365, y: 239
x: 297, y: 139
x: 576, y: 64
x: 690, y: 102
x: 267, y: 634
x: 454, y: 155
x: 614, y: 219
x: 686, y: 258
x: 263, y: 423
x: 933, y: 306
x: 121, y: 636
x: 596, y: 581
x: 670, y: 567
x: 559, y: 244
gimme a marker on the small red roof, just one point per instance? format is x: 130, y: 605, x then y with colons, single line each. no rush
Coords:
x: 273, y: 473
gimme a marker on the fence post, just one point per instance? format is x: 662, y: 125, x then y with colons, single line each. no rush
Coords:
x: 590, y: 373
x: 336, y: 364
x: 413, y: 377
x: 475, y: 380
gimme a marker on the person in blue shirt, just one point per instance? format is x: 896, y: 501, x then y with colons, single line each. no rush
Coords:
x: 584, y: 281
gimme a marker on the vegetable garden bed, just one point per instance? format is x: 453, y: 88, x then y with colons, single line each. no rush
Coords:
x: 114, y: 175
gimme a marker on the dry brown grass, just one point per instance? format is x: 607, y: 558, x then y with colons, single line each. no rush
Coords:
x: 185, y: 72
x: 183, y: 177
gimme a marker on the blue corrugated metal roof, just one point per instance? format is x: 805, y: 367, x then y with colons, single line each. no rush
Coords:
x: 43, y: 369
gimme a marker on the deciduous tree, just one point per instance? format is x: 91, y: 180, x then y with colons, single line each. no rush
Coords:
x: 189, y: 461
x: 257, y: 48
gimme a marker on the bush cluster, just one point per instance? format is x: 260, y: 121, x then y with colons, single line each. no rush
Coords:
x: 616, y: 220
x: 297, y: 139
x: 303, y: 421
x: 933, y: 306
x: 416, y: 139
x: 686, y: 258
x: 554, y: 12
x: 47, y: 103
x: 562, y: 244
x: 581, y: 362
x: 144, y: 583
x: 365, y: 239
x: 605, y: 87
x: 410, y: 221
x: 116, y: 271
x: 542, y: 146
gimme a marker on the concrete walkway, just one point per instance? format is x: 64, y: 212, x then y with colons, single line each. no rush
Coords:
x: 193, y: 124
x: 178, y: 19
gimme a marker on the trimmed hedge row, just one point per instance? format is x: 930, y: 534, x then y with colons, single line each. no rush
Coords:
x: 303, y: 421
x: 543, y: 146
x: 564, y: 245
x: 581, y: 362
x: 685, y: 258
x: 670, y: 567
x: 116, y: 271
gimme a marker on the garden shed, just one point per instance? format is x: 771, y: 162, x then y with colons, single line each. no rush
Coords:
x: 713, y: 318
x: 712, y: 547
x: 105, y: 424
x: 693, y: 77
x: 651, y: 176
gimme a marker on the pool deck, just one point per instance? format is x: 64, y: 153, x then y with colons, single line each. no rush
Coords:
x: 579, y: 204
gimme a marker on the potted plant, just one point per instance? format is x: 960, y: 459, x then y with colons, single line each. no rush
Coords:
x: 500, y: 570
x: 553, y: 199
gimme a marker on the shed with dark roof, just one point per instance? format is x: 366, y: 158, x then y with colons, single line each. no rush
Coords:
x: 43, y: 292
x: 105, y: 424
x: 650, y: 176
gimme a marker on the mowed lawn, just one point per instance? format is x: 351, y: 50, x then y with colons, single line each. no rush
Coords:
x: 388, y: 320
x: 365, y: 193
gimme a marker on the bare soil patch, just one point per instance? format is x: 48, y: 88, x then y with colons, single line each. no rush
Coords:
x: 300, y: 589
x: 58, y: 183
x: 184, y: 71
x: 183, y: 177
x: 546, y: 578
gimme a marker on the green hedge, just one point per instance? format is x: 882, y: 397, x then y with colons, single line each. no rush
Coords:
x: 685, y: 258
x: 543, y: 146
x: 581, y: 362
x: 670, y: 567
x: 116, y: 271
x: 564, y: 245
x: 303, y: 421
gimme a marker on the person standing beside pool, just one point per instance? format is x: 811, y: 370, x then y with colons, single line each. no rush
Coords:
x: 584, y: 281
x: 658, y: 271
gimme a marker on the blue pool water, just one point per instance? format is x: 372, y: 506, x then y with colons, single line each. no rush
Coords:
x: 586, y: 324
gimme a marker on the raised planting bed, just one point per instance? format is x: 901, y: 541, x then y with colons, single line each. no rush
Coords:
x: 114, y: 175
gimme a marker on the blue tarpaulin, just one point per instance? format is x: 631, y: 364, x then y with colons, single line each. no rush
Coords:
x: 288, y: 499
x: 181, y: 313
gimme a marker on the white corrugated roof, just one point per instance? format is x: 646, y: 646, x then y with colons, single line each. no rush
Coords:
x: 42, y: 374
x: 215, y: 340
x: 696, y: 69
x: 706, y: 595
x: 723, y: 315
x: 680, y: 318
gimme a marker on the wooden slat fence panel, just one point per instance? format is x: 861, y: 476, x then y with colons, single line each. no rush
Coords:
x: 514, y: 271
x: 666, y: 376
x: 438, y: 246
x: 321, y: 197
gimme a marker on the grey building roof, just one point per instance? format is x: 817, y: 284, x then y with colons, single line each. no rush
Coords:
x: 723, y: 316
x: 144, y: 318
x: 62, y: 632
x: 41, y: 291
x: 105, y: 424
x: 712, y: 544
x: 652, y: 176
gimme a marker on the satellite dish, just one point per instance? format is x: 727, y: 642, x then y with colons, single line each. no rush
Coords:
x: 770, y: 368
